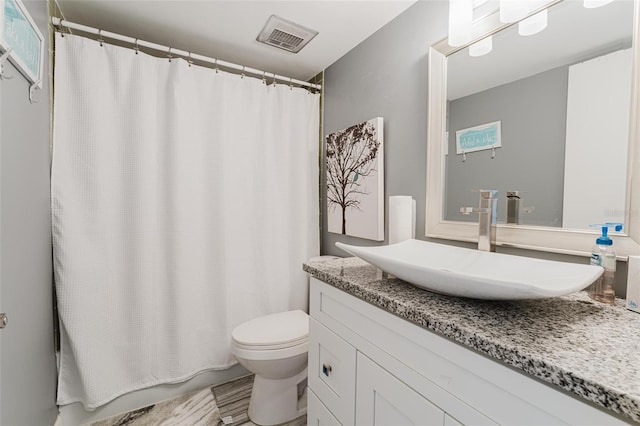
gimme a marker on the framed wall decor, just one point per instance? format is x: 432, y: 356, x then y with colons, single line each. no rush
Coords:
x: 20, y: 35
x: 355, y: 180
x: 478, y: 138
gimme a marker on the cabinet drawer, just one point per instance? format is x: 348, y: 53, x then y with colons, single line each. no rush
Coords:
x: 317, y: 413
x: 332, y: 371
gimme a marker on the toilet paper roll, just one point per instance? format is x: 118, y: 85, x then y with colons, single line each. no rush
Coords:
x: 402, y: 218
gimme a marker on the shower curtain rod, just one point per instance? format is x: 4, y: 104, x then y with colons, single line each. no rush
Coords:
x: 186, y: 55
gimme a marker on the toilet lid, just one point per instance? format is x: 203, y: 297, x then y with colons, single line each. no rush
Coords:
x: 281, y: 330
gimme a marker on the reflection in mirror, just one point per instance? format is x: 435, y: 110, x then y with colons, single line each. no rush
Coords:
x: 562, y: 98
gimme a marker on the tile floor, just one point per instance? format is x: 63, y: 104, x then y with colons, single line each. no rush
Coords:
x: 206, y: 407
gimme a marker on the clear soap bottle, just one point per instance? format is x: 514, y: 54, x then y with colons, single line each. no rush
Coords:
x: 602, y: 254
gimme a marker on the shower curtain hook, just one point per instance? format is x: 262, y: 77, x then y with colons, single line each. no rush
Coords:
x: 169, y: 54
x: 136, y: 47
x: 264, y: 78
x: 215, y: 62
x: 3, y: 58
x: 464, y: 156
x: 189, y: 60
x: 242, y: 74
x: 493, y: 152
x: 274, y: 79
x: 100, y: 40
x: 290, y: 83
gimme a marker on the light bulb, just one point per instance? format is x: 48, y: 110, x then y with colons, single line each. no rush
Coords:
x: 512, y: 10
x: 460, y: 22
x: 533, y: 24
x: 481, y: 47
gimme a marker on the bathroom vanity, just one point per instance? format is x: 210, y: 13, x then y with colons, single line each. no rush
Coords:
x: 382, y: 351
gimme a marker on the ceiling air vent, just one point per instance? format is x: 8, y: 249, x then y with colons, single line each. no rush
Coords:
x: 285, y: 34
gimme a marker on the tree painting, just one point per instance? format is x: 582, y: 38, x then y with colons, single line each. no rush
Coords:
x: 355, y: 180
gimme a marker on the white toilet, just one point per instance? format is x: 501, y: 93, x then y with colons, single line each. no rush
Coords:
x: 274, y: 348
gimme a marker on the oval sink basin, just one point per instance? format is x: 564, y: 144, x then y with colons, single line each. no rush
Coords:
x: 457, y: 271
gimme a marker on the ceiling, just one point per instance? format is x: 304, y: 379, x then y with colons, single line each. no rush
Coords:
x: 227, y: 29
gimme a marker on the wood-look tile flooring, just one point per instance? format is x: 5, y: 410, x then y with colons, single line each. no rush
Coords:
x: 206, y: 407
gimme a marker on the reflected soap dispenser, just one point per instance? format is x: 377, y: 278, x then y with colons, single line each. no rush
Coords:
x: 602, y: 254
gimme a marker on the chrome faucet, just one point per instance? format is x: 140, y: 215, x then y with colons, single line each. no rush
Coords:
x: 488, y: 213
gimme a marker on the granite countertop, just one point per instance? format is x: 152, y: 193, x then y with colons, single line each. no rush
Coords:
x: 587, y: 348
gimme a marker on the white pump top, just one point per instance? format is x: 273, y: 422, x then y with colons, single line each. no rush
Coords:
x: 280, y: 330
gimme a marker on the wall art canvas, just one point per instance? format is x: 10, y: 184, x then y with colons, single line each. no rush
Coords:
x: 355, y: 180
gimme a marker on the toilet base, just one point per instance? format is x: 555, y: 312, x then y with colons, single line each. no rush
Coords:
x: 275, y: 401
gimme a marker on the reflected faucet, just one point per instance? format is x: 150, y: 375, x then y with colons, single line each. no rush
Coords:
x: 488, y: 213
x: 513, y: 207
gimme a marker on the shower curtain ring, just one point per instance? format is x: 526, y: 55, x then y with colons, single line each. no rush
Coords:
x: 215, y: 62
x: 290, y: 83
x: 274, y: 79
x: 100, y: 40
x: 242, y: 74
x: 189, y: 60
x: 169, y: 54
x: 136, y: 47
x: 264, y: 78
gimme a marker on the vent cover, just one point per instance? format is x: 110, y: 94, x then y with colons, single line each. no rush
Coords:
x: 285, y: 34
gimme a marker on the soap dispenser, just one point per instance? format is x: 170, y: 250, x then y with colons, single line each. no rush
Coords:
x: 602, y: 254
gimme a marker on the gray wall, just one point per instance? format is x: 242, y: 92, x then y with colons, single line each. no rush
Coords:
x: 533, y: 116
x: 386, y: 75
x: 27, y: 357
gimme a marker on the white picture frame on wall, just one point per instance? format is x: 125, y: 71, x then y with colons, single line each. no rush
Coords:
x: 355, y: 180
x: 20, y: 36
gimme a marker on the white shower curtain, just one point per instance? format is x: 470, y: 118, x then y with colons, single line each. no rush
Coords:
x: 184, y: 203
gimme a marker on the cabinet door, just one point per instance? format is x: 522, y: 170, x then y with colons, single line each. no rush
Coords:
x: 383, y: 400
x: 332, y: 371
x: 317, y: 413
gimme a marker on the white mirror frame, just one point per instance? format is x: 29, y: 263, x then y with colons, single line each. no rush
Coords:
x: 548, y: 239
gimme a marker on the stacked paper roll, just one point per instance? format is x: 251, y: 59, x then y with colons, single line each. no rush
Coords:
x: 402, y: 218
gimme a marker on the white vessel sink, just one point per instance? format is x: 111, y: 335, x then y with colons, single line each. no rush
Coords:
x: 476, y: 274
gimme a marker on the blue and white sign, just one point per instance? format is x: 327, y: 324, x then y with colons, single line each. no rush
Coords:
x: 478, y: 138
x: 19, y: 33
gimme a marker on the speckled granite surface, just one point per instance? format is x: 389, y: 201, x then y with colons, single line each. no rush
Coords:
x: 587, y: 348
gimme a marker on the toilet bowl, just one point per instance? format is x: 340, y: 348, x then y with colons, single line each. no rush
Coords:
x: 274, y: 348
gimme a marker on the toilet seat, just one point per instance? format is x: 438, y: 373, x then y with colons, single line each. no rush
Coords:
x: 271, y: 337
x: 276, y: 331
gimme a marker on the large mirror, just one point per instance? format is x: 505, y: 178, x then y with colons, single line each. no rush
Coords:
x: 562, y: 104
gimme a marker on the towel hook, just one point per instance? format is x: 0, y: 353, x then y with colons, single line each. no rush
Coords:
x: 136, y: 47
x: 3, y: 58
x: 32, y: 89
x: 100, y: 39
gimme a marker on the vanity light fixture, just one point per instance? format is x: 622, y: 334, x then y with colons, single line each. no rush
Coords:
x: 533, y: 24
x: 592, y: 4
x: 481, y: 47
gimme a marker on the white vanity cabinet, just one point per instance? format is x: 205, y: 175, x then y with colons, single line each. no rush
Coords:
x: 369, y: 367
